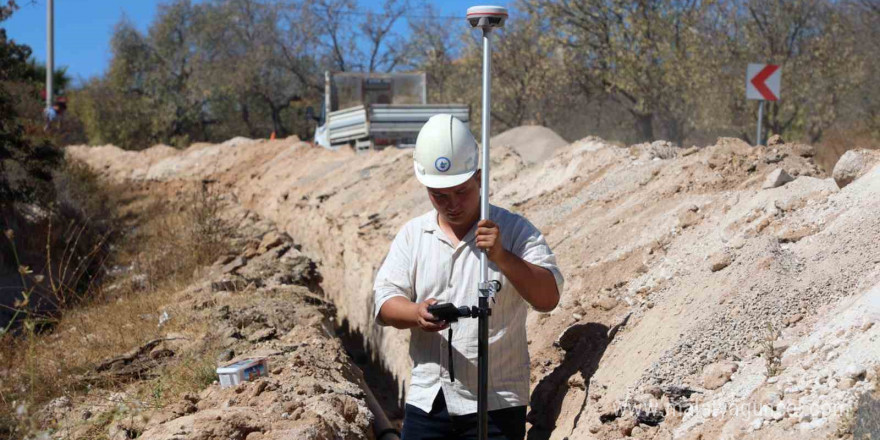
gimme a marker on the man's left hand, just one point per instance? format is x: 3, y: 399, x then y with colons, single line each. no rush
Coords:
x: 489, y: 239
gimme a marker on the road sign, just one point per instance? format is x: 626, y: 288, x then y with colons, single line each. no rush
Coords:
x: 762, y: 82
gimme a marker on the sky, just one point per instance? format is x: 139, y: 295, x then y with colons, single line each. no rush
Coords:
x: 83, y: 28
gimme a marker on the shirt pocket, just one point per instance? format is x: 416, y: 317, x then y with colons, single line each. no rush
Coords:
x: 431, y: 280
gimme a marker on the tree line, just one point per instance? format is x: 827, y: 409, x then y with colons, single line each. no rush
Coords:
x: 626, y: 70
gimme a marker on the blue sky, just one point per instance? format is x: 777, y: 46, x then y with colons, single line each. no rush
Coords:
x: 83, y: 27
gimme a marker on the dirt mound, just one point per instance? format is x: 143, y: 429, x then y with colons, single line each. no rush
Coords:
x: 534, y: 143
x: 160, y: 151
x: 682, y: 245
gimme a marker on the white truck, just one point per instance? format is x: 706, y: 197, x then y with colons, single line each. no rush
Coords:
x: 373, y: 111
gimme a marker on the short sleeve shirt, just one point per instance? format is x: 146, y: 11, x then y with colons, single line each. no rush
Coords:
x: 423, y: 264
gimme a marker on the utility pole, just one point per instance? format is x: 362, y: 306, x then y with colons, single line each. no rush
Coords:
x: 50, y: 57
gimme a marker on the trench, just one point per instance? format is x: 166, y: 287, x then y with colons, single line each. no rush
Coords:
x: 381, y: 382
x: 382, y: 387
x: 382, y: 391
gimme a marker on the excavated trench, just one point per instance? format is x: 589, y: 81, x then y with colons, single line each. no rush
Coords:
x: 380, y: 380
x: 382, y: 392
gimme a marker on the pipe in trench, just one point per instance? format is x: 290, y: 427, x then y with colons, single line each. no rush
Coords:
x: 381, y: 426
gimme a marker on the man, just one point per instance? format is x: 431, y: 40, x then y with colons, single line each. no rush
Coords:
x: 436, y: 258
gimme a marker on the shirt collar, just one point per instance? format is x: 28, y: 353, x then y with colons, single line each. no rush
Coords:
x: 430, y: 225
x: 429, y: 222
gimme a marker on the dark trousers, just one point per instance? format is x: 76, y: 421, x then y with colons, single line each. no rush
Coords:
x: 504, y: 424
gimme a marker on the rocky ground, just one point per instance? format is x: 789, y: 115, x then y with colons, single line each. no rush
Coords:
x: 734, y: 287
x: 264, y: 300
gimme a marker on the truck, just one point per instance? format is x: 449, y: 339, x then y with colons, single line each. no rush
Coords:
x: 368, y: 111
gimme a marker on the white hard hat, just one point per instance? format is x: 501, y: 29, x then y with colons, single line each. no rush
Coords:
x: 446, y: 152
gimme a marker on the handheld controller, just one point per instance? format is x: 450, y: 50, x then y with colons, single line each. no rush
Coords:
x: 448, y: 312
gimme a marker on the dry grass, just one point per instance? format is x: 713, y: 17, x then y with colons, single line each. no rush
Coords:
x: 190, y: 373
x: 771, y: 355
x: 847, y: 423
x: 166, y: 243
x: 192, y: 234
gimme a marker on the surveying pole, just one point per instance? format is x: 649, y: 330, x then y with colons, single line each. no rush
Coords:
x: 485, y: 18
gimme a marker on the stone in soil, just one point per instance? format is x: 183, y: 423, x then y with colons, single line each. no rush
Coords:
x: 717, y: 374
x: 719, y: 261
x: 606, y: 303
x: 234, y: 265
x: 854, y: 164
x: 776, y: 178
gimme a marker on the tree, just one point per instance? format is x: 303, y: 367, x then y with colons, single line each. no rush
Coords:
x: 386, y: 49
x: 172, y: 77
x: 153, y: 90
x: 340, y: 26
x: 205, y: 72
x: 865, y: 98
x: 268, y: 67
x: 810, y: 40
x: 530, y: 78
x: 118, y: 108
x: 333, y: 17
x: 156, y: 88
x: 639, y: 53
x: 436, y: 53
x: 25, y: 168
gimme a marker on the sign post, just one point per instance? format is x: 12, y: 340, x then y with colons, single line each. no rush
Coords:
x: 762, y: 83
x: 760, y: 122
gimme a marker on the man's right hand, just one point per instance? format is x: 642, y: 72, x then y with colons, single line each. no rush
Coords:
x: 426, y: 320
x: 402, y: 313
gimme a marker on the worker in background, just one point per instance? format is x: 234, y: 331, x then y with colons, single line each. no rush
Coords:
x: 49, y: 115
x: 436, y: 258
x: 55, y: 112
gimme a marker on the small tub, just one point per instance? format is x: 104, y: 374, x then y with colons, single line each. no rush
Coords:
x: 242, y: 371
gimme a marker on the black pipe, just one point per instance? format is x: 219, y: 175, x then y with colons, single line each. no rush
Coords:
x: 382, y: 428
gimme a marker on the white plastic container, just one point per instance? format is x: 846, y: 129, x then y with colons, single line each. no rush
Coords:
x: 242, y: 371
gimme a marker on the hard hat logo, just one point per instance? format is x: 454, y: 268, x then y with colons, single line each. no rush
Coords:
x: 442, y: 164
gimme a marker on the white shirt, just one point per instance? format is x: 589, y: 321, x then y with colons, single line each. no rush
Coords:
x: 422, y: 264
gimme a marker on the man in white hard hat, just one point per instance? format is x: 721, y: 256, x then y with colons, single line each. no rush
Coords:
x: 436, y: 258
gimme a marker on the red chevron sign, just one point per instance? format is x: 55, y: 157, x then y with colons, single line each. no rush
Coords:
x: 762, y: 82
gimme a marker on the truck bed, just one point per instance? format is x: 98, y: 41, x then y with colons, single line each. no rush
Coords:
x: 386, y: 120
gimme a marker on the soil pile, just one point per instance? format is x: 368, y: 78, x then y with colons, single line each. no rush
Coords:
x: 695, y: 278
x: 533, y: 143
